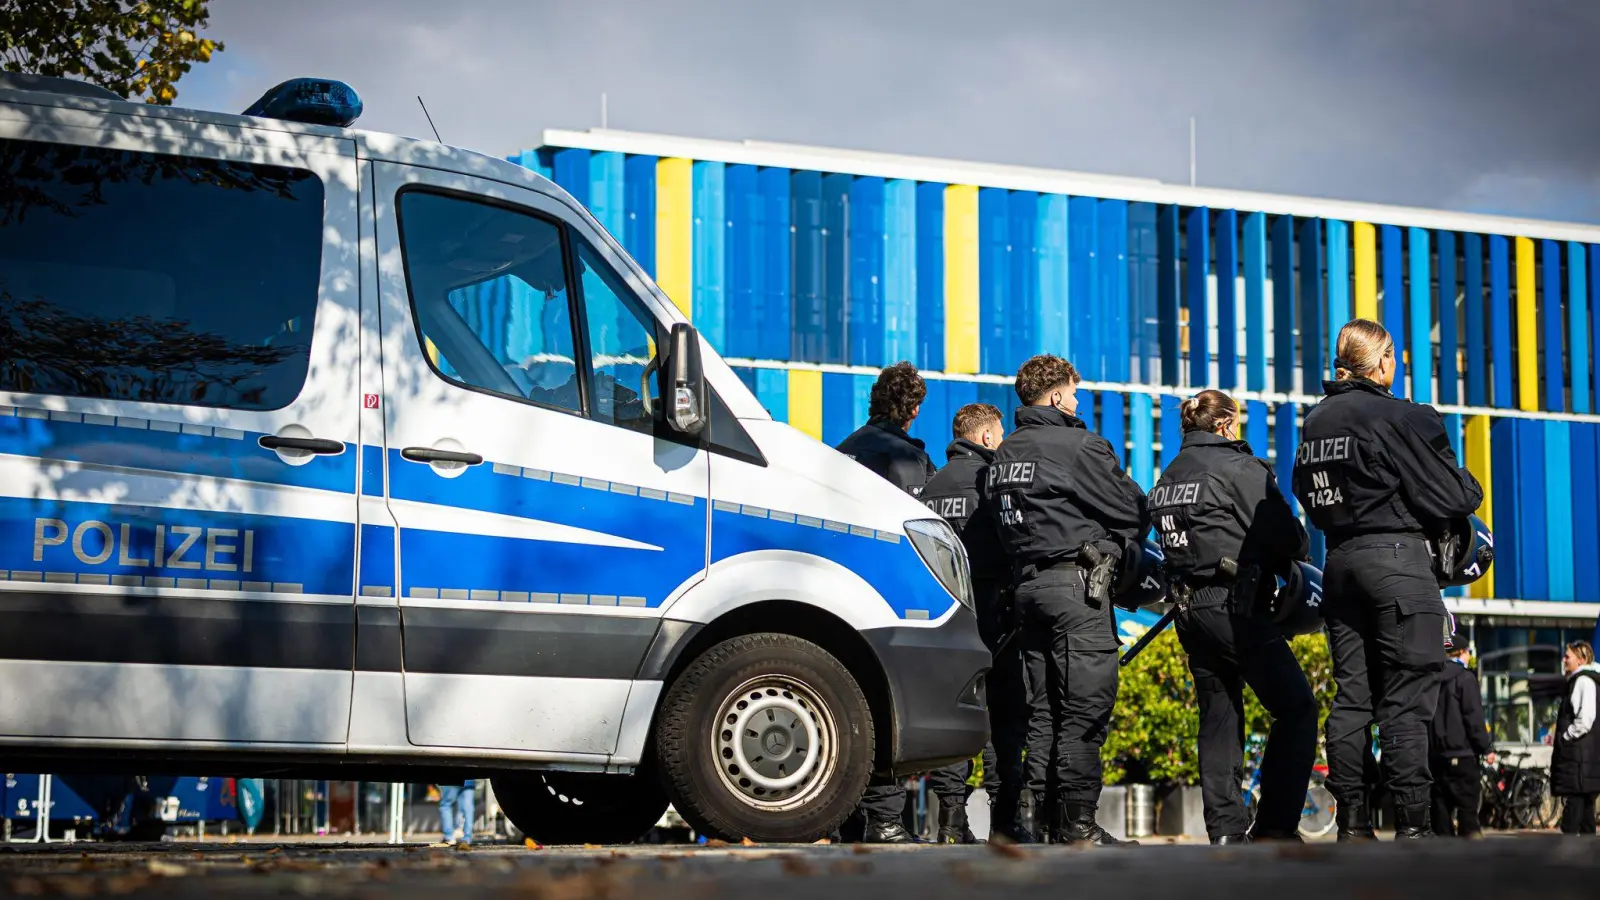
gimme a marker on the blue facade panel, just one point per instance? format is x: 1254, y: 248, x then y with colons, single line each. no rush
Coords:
x: 1087, y: 411
x: 1449, y: 343
x: 744, y: 258
x: 1532, y: 505
x: 1420, y: 322
x: 1197, y: 291
x: 1586, y: 495
x: 570, y: 170
x: 1392, y: 278
x: 710, y: 232
x: 1285, y: 440
x: 930, y: 277
x: 773, y: 278
x: 1053, y: 329
x: 1501, y: 361
x: 1142, y: 457
x: 1558, y: 510
x: 1022, y: 232
x: 900, y: 272
x: 1578, y: 324
x: 1311, y: 306
x: 1258, y: 428
x: 1083, y: 285
x: 932, y: 425
x: 1113, y: 423
x: 1171, y: 429
x: 1283, y: 304
x: 835, y: 264
x: 868, y: 235
x: 1472, y: 307
x: 1168, y: 292
x: 1555, y: 387
x: 994, y: 280
x: 808, y: 308
x: 772, y: 389
x: 1255, y: 302
x: 1227, y: 267
x: 639, y: 206
x: 1144, y: 275
x: 1504, y: 464
x: 607, y: 186
x: 1338, y: 241
x: 1115, y: 334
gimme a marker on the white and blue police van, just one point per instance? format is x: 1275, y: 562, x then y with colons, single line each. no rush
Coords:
x: 326, y: 453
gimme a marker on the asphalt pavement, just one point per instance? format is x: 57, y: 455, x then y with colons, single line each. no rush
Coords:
x: 1505, y: 868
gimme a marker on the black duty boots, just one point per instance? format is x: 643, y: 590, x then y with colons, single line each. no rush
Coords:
x: 888, y: 831
x: 953, y: 827
x: 1075, y: 824
x: 1230, y: 840
x: 1354, y: 818
x: 1412, y: 822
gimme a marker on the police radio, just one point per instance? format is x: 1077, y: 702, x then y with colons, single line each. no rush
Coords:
x: 1462, y: 551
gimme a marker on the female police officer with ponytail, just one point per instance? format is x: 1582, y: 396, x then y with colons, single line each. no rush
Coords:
x: 1377, y: 475
x: 1227, y: 530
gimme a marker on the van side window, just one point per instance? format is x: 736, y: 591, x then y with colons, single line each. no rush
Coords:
x: 156, y: 278
x: 489, y: 290
x: 622, y: 341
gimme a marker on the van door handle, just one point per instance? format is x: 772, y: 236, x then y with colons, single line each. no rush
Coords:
x: 430, y: 455
x: 308, y: 445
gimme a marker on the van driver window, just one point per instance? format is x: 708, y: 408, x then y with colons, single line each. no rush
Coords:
x: 489, y: 288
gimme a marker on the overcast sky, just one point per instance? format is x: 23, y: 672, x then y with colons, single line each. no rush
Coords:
x: 1475, y: 105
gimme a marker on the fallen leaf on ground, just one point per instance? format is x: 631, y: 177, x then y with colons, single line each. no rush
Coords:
x: 532, y: 844
x: 166, y: 869
x: 747, y: 843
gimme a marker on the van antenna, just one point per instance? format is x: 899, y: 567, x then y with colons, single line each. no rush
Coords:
x: 430, y: 119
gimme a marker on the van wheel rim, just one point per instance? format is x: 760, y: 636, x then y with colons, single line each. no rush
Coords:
x: 775, y: 744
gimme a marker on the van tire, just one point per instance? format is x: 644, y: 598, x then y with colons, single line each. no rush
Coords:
x: 808, y: 697
x: 580, y: 807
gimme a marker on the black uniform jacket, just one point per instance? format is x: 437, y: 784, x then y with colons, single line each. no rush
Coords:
x: 955, y: 494
x: 1216, y: 500
x: 1370, y: 463
x: 886, y: 449
x: 1458, y: 728
x: 1055, y: 486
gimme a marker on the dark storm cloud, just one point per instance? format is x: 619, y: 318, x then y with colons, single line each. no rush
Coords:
x: 1467, y: 104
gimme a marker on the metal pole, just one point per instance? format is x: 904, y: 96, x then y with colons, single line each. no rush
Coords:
x: 43, y: 816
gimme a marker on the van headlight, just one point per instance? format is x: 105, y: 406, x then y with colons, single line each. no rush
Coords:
x: 939, y: 547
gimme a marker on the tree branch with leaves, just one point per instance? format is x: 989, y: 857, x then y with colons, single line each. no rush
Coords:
x: 138, y: 49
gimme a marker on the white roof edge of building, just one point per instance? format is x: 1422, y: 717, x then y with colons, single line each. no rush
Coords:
x: 1529, y: 609
x: 1054, y: 181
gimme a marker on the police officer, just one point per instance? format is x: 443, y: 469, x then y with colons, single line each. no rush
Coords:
x: 884, y: 446
x: 1376, y: 474
x: 1457, y: 737
x: 1227, y: 531
x: 954, y: 493
x: 1066, y: 510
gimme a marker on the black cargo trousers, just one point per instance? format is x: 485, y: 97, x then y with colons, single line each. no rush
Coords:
x: 1386, y: 629
x: 1007, y: 699
x: 1069, y: 653
x: 1227, y: 652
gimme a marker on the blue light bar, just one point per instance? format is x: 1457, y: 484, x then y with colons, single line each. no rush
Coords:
x: 314, y: 101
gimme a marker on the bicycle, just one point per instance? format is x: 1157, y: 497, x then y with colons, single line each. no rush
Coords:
x: 1316, y: 816
x: 1515, y: 797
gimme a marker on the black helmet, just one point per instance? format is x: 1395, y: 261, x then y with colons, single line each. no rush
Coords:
x: 1297, y: 605
x: 1463, y: 552
x: 1141, y: 578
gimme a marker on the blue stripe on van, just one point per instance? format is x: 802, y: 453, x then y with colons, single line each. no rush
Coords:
x: 177, y: 448
x: 53, y: 541
x: 377, y: 561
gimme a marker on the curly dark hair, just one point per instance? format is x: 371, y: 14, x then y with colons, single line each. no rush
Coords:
x: 897, y: 394
x: 1043, y: 374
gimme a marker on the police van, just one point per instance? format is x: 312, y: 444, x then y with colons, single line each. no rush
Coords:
x: 326, y: 453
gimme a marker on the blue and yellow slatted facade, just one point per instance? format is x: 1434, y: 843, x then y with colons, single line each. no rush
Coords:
x: 809, y: 280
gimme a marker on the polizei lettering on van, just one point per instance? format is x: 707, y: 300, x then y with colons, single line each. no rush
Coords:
x: 184, y: 547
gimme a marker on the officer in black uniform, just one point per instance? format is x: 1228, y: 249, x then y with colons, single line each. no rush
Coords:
x: 1066, y: 511
x: 1377, y: 475
x: 1227, y: 532
x: 883, y: 446
x: 1458, y: 736
x: 955, y: 494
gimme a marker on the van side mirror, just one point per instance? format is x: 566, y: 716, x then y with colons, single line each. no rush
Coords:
x: 686, y: 383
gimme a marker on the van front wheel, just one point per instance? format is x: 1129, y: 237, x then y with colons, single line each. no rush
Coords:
x: 767, y: 737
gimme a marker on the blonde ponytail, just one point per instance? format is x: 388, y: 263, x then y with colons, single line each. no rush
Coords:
x: 1361, y: 347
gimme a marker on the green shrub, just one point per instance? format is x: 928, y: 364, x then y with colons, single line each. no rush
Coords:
x: 1156, y: 725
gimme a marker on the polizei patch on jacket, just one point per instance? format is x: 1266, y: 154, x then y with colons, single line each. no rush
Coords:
x: 1340, y: 448
x: 1182, y: 493
x: 1011, y: 474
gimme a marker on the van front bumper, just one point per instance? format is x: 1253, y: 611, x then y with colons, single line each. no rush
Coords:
x: 936, y: 691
